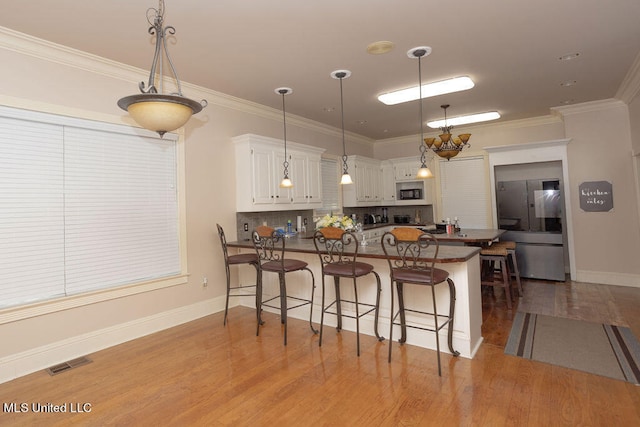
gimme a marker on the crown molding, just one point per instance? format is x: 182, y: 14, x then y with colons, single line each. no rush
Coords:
x: 587, y: 107
x: 630, y: 86
x: 42, y: 49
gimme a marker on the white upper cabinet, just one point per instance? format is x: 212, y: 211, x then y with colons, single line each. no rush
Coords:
x: 259, y: 170
x: 367, y: 187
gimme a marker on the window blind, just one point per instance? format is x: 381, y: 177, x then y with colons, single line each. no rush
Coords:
x: 464, y: 191
x: 31, y: 211
x: 330, y: 190
x: 83, y: 206
x: 120, y: 209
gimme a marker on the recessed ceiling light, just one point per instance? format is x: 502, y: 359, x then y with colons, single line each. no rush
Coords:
x: 378, y: 48
x: 328, y: 109
x: 430, y: 89
x: 569, y: 56
x: 567, y: 101
x: 362, y: 122
x: 465, y: 120
x: 568, y: 83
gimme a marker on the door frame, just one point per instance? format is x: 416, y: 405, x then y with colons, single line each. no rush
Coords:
x: 535, y: 152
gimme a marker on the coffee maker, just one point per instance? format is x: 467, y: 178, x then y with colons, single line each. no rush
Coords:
x: 385, y: 217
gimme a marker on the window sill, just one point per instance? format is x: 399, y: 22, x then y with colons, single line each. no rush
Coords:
x: 13, y: 314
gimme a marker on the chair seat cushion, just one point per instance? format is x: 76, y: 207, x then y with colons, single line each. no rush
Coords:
x: 345, y: 269
x: 420, y: 277
x: 243, y: 258
x: 286, y: 265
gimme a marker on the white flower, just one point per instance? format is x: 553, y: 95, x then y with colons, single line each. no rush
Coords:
x: 345, y: 222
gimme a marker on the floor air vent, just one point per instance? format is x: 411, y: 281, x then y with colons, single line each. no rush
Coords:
x: 65, y: 366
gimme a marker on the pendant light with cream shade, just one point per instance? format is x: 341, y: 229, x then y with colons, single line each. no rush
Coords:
x: 152, y: 109
x: 340, y: 75
x: 418, y: 52
x: 286, y: 181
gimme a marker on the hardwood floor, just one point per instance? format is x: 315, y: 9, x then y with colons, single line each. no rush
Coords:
x: 204, y: 374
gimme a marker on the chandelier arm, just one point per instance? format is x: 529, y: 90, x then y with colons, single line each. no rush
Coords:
x: 172, y: 31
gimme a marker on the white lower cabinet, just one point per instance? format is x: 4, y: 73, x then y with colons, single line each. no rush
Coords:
x: 258, y: 185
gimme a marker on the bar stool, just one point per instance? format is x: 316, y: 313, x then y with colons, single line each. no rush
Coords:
x: 495, y: 269
x: 406, y: 250
x: 233, y: 291
x: 513, y: 262
x: 270, y: 246
x: 338, y: 251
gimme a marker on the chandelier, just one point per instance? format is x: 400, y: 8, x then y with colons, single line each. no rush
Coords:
x: 448, y: 146
x: 153, y: 109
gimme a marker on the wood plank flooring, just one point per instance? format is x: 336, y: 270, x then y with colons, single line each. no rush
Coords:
x: 204, y: 374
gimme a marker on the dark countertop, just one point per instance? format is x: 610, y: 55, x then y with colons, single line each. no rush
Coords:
x: 446, y: 254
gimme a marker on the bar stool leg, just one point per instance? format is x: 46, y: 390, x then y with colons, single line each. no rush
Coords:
x: 336, y: 281
x: 452, y: 309
x: 377, y: 311
x: 403, y: 319
x: 516, y: 272
x: 506, y: 277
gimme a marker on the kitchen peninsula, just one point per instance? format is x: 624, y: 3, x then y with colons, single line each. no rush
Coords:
x: 462, y: 263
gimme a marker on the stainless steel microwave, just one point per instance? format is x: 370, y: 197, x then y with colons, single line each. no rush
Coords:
x: 410, y: 194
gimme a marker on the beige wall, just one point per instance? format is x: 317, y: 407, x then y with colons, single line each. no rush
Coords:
x: 69, y: 83
x: 601, y: 150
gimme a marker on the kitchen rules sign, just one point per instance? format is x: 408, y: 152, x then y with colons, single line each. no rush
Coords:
x: 596, y: 196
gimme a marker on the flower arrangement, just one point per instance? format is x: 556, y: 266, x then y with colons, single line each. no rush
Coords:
x: 344, y: 222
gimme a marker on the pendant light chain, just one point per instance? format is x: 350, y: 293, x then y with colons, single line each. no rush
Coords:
x: 284, y: 120
x: 423, y: 147
x: 344, y: 150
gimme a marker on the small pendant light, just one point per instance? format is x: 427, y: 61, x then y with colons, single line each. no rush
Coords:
x: 286, y: 182
x: 340, y: 75
x: 419, y: 52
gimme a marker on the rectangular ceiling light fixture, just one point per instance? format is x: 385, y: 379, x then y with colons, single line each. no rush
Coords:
x: 430, y: 89
x: 465, y: 120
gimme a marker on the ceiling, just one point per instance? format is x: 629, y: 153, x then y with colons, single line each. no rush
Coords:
x: 248, y: 48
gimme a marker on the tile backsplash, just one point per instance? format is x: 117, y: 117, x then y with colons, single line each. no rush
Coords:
x: 280, y: 218
x: 272, y: 219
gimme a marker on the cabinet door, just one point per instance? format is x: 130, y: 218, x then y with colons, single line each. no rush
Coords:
x: 281, y: 195
x: 373, y: 178
x: 361, y: 183
x: 388, y: 184
x: 262, y: 176
x: 314, y: 180
x: 298, y: 175
x: 406, y: 171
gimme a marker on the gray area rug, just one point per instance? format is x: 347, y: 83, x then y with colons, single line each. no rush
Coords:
x: 607, y: 350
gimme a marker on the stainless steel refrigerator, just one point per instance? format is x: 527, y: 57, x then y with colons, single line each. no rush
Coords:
x: 532, y: 213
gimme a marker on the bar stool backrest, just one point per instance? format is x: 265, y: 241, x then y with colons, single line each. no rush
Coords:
x: 223, y: 241
x: 269, y: 244
x: 336, y: 246
x: 406, y: 248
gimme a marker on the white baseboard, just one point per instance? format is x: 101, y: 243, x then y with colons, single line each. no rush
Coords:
x: 26, y: 362
x: 608, y: 278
